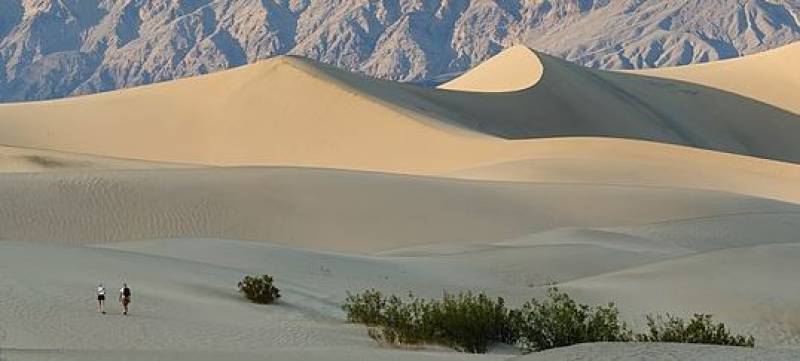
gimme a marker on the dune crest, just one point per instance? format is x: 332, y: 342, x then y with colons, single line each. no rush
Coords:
x: 516, y: 68
x: 24, y: 160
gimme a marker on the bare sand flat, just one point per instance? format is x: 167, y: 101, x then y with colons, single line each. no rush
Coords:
x: 299, y: 354
x: 664, y: 352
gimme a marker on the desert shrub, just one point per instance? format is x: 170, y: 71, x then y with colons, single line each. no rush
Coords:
x: 467, y: 322
x: 404, y: 322
x: 474, y: 322
x: 366, y: 307
x: 560, y: 321
x: 259, y: 289
x: 699, y: 329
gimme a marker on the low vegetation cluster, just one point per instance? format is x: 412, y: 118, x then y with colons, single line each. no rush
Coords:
x: 474, y: 322
x: 699, y: 329
x: 467, y: 322
x: 259, y: 289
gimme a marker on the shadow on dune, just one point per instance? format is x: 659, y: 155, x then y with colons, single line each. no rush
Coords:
x: 573, y: 101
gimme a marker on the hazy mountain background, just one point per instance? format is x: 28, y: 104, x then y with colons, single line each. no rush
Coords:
x: 56, y: 48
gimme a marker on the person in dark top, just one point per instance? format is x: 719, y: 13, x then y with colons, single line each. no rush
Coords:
x: 125, y: 298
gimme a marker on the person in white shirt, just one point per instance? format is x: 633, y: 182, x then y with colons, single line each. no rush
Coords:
x: 101, y: 299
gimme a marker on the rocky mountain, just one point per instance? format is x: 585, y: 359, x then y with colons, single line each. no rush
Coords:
x: 56, y: 48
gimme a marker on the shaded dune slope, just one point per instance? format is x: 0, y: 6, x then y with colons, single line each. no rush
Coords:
x: 291, y: 111
x: 570, y: 100
x: 17, y: 159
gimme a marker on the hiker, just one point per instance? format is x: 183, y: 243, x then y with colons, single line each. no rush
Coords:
x: 101, y: 298
x: 125, y: 298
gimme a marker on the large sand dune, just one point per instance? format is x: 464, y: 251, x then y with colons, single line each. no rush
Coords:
x: 290, y: 111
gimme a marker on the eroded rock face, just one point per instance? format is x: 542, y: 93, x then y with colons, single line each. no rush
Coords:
x: 52, y: 48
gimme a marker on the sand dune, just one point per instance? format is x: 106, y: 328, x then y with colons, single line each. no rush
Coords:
x: 186, y: 305
x: 290, y: 111
x: 770, y: 77
x: 326, y: 209
x: 630, y: 162
x: 733, y: 284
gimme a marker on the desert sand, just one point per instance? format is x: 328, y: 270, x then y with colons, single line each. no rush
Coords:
x: 674, y: 194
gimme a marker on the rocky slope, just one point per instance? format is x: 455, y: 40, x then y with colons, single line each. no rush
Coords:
x: 55, y: 48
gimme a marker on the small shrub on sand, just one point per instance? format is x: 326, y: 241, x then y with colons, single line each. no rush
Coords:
x: 259, y: 289
x: 699, y: 329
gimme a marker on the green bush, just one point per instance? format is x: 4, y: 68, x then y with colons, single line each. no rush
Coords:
x: 699, y: 329
x: 560, y: 321
x: 404, y: 322
x: 467, y: 322
x: 367, y: 307
x: 474, y: 322
x: 259, y: 289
